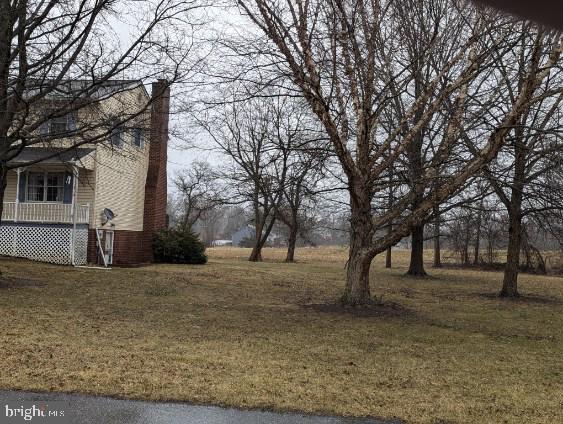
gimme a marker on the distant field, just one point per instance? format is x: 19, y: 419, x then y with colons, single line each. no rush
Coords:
x: 274, y: 254
x: 268, y: 335
x: 554, y: 260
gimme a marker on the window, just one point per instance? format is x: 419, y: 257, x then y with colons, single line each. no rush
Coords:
x: 116, y: 136
x: 55, y: 187
x: 61, y: 124
x: 45, y: 187
x: 138, y: 137
x: 35, y: 187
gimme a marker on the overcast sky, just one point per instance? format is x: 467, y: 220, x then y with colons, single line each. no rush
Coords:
x: 124, y: 25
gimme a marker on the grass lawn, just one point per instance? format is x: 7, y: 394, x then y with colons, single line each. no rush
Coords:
x: 443, y: 350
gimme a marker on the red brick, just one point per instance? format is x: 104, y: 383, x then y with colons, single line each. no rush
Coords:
x: 156, y: 185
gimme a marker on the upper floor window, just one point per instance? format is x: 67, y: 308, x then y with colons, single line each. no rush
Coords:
x: 59, y: 124
x: 45, y: 187
x: 138, y: 137
x: 116, y: 136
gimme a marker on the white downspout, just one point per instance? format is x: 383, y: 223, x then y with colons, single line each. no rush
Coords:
x: 16, y: 206
x: 100, y: 247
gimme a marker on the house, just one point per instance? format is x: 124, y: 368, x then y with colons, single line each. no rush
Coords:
x: 246, y: 232
x: 220, y: 243
x: 100, y: 203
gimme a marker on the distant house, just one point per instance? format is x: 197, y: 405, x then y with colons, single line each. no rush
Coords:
x: 247, y: 232
x: 217, y: 243
x: 98, y: 204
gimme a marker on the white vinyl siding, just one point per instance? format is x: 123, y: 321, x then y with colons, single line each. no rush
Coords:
x: 11, y: 187
x: 120, y: 185
x: 85, y: 191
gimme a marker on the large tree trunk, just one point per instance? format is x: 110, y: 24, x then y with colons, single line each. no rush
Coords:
x: 437, y: 248
x: 357, y: 290
x: 510, y: 281
x: 291, y: 242
x: 416, y: 268
x: 256, y: 254
x: 262, y: 233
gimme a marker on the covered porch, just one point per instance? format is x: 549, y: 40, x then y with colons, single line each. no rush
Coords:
x: 47, y: 204
x: 58, y: 190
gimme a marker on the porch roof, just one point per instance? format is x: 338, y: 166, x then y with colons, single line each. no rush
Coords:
x: 55, y: 156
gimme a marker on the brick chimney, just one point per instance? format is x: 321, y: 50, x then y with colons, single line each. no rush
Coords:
x: 156, y: 184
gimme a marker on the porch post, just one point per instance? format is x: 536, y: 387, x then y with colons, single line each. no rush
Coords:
x: 73, y: 211
x: 16, y: 206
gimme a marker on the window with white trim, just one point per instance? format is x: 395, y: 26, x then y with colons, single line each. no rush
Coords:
x: 45, y: 187
x: 138, y: 137
x: 61, y: 124
x: 117, y: 136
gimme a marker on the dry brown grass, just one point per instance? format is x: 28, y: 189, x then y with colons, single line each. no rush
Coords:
x: 259, y: 336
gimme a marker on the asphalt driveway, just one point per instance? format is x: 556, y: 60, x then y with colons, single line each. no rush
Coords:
x: 100, y: 410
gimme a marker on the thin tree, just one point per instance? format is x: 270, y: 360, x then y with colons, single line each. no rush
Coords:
x: 306, y: 153
x: 300, y: 192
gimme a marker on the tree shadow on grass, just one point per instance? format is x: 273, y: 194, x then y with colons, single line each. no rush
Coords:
x: 529, y: 299
x: 403, y: 276
x: 378, y: 309
x: 7, y: 283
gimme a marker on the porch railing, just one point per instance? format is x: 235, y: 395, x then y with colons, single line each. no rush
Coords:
x: 45, y: 212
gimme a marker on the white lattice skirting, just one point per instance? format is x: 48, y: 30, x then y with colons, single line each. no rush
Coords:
x: 45, y: 243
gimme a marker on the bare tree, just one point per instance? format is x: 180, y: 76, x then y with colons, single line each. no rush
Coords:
x: 299, y: 198
x: 257, y: 137
x: 425, y: 53
x: 209, y: 225
x: 338, y: 54
x: 306, y: 155
x: 461, y: 232
x: 524, y: 176
x: 199, y: 193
